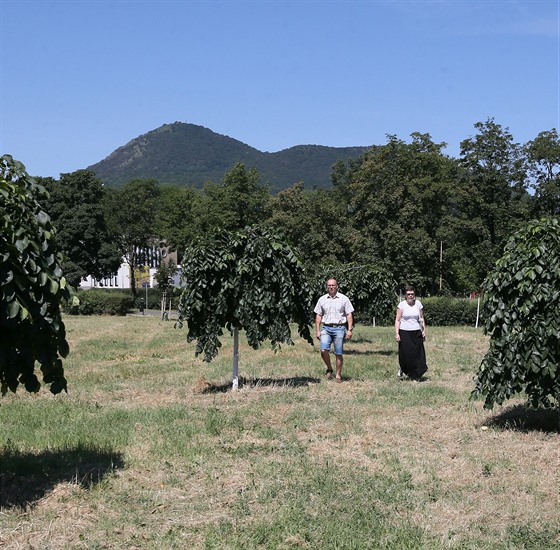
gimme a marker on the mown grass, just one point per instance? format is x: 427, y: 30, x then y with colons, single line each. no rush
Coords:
x: 150, y: 449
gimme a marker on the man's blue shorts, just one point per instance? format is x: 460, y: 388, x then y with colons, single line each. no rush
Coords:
x: 333, y: 335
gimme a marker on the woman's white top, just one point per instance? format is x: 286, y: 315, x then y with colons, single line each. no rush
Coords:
x: 410, y: 316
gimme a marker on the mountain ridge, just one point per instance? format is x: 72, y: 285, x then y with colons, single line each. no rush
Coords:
x: 182, y: 153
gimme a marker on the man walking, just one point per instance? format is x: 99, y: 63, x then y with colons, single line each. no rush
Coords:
x: 335, y: 311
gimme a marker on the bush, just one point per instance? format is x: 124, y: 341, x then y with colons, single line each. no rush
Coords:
x: 445, y: 311
x: 102, y: 302
x: 440, y: 311
x: 154, y: 297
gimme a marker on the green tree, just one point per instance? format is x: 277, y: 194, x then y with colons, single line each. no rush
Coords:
x: 397, y: 195
x: 314, y: 221
x: 164, y: 275
x: 494, y: 199
x: 543, y: 155
x: 521, y: 296
x: 238, y: 201
x: 371, y: 289
x: 176, y: 222
x: 32, y: 285
x: 75, y: 208
x: 131, y: 216
x: 247, y: 280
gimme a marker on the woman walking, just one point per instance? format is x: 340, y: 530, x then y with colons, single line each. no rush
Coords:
x: 410, y: 332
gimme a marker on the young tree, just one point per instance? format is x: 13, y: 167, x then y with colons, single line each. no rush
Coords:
x: 521, y: 310
x: 31, y: 285
x: 75, y: 208
x: 247, y: 280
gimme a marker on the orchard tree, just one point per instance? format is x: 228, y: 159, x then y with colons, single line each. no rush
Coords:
x: 521, y: 297
x: 249, y: 280
x: 75, y: 208
x: 32, y: 285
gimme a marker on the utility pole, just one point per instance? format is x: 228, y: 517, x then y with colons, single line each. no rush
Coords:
x: 440, y: 265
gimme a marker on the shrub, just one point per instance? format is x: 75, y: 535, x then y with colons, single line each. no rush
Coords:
x: 102, y: 302
x: 445, y: 311
x: 440, y: 311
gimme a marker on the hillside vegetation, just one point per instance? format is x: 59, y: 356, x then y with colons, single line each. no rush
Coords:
x: 187, y: 154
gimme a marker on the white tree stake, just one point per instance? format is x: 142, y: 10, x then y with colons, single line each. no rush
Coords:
x: 235, y: 381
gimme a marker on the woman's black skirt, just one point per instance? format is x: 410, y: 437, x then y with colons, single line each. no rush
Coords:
x: 412, y: 356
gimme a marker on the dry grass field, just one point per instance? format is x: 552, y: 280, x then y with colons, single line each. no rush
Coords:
x: 151, y: 449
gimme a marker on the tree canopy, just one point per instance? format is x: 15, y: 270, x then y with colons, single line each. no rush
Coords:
x: 522, y: 294
x: 131, y: 217
x: 370, y: 288
x: 437, y: 222
x: 249, y: 280
x: 75, y: 205
x: 32, y: 285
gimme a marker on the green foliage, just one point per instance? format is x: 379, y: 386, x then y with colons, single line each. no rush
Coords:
x: 176, y: 222
x: 238, y: 201
x: 397, y: 196
x: 492, y: 201
x: 98, y: 301
x: 521, y: 311
x: 444, y: 311
x: 251, y: 280
x: 190, y: 155
x: 75, y: 208
x: 543, y: 154
x: 164, y: 275
x: 295, y: 212
x: 131, y: 217
x: 369, y: 287
x: 32, y: 285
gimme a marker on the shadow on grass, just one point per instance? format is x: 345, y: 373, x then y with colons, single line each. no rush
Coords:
x: 295, y: 381
x: 525, y: 419
x: 349, y: 351
x: 361, y: 340
x: 27, y: 477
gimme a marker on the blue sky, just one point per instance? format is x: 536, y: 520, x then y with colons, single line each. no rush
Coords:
x: 79, y: 78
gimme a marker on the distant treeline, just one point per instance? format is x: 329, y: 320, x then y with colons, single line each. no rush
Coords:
x: 433, y: 221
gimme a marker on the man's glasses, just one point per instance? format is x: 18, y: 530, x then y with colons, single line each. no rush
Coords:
x: 410, y: 293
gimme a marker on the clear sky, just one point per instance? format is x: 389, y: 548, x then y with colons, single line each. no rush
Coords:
x: 80, y: 78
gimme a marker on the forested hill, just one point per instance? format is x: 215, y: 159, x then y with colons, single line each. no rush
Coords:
x: 187, y: 154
